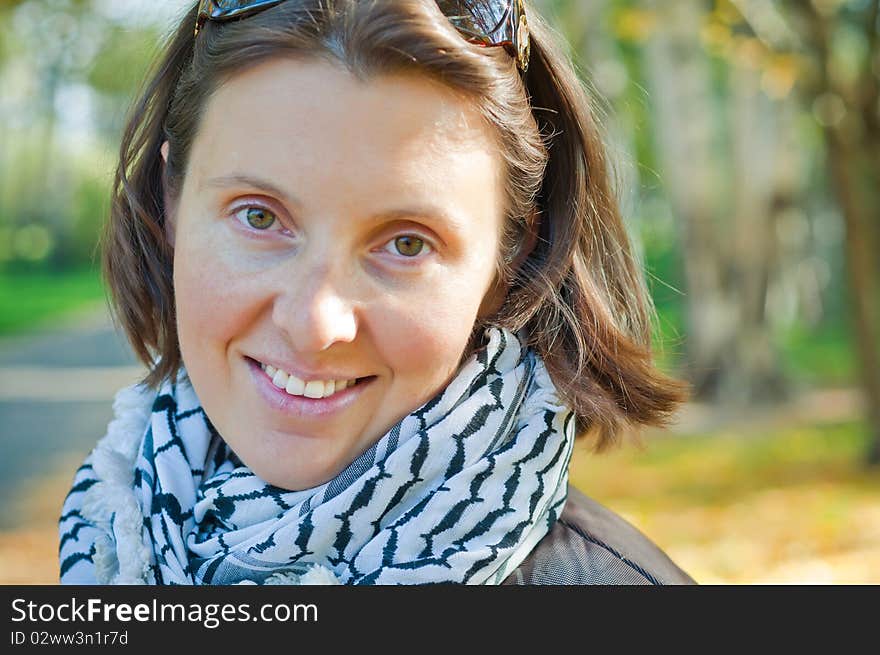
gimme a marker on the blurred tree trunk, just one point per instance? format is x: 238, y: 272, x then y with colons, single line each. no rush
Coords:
x: 726, y: 208
x: 853, y: 154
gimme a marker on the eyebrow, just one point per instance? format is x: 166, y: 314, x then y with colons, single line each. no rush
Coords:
x: 241, y: 179
x: 256, y: 182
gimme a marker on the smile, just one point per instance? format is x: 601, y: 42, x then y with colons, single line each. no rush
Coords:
x: 298, y: 387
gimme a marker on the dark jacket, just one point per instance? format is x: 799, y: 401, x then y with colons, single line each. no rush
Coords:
x: 590, y: 544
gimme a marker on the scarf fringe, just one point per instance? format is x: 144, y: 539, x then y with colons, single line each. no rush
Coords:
x: 111, y: 502
x: 317, y: 575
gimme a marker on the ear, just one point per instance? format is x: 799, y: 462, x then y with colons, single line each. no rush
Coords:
x: 169, y: 209
x: 498, y: 291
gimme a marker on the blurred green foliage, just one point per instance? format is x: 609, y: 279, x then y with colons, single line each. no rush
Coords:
x: 743, y: 182
x: 71, y: 69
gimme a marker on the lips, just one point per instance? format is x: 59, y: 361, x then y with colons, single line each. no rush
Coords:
x: 303, y: 406
x: 296, y: 386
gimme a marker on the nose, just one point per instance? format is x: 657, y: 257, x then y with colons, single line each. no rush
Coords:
x: 314, y: 309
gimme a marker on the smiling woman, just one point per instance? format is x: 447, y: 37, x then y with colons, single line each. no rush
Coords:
x: 374, y: 266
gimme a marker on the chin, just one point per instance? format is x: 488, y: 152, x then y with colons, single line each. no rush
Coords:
x: 293, y: 480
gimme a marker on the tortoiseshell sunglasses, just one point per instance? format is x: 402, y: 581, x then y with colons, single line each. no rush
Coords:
x: 488, y: 23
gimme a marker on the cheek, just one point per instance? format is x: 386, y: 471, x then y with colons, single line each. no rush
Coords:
x: 423, y: 339
x: 212, y: 303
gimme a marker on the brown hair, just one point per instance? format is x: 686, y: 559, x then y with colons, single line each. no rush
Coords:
x: 579, y: 293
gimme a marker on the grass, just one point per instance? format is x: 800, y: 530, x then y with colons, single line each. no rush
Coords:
x: 788, y: 507
x: 32, y: 300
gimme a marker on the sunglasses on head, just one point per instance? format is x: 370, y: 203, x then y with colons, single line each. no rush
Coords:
x: 487, y: 23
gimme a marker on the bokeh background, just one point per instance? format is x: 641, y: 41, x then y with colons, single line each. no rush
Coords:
x: 746, y: 142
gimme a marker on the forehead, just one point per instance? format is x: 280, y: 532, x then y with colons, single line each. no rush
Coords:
x: 313, y: 116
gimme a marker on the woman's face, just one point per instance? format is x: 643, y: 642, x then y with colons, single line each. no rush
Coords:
x: 344, y: 232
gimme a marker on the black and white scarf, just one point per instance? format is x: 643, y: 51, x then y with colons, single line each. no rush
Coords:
x: 460, y: 490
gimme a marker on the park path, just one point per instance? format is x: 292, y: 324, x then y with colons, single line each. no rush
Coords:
x: 56, y: 392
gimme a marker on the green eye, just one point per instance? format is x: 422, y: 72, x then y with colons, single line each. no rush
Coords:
x: 409, y: 246
x: 259, y: 218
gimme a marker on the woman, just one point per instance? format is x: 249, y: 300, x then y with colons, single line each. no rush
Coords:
x: 370, y: 255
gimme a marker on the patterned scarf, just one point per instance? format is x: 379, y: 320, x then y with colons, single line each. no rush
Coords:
x: 460, y: 490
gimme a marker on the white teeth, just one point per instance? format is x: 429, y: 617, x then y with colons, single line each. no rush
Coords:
x: 297, y: 387
x: 314, y: 389
x: 280, y: 379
